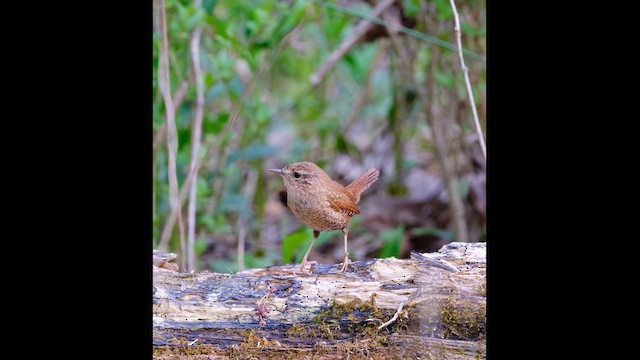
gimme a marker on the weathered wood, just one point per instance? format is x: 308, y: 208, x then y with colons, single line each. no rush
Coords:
x: 276, y: 312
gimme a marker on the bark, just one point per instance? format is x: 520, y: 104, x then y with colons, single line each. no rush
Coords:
x: 438, y: 300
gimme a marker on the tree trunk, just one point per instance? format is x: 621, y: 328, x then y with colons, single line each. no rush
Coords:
x: 430, y: 306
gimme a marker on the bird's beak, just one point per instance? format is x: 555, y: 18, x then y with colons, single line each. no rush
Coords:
x: 279, y: 171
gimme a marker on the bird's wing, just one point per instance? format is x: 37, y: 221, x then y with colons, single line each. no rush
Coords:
x: 343, y: 202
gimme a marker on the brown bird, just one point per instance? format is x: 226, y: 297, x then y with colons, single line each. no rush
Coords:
x: 321, y: 203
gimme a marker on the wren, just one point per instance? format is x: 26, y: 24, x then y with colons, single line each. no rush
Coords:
x: 321, y: 203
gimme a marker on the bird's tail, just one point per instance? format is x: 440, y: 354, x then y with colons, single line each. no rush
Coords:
x: 363, y: 182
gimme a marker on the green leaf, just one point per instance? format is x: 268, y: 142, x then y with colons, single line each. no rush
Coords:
x: 252, y: 262
x: 216, y: 91
x: 334, y: 26
x: 341, y: 144
x: 208, y: 80
x: 203, y: 188
x: 392, y: 239
x: 444, y: 79
x: 200, y: 246
x: 216, y: 224
x: 293, y: 241
x: 208, y: 5
x: 471, y: 30
x: 263, y: 114
x: 358, y: 63
x: 444, y: 10
x: 290, y: 20
x: 411, y: 7
x: 215, y: 124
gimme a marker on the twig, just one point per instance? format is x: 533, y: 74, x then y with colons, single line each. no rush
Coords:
x: 349, y: 42
x: 196, y: 134
x: 177, y: 100
x: 262, y: 308
x: 242, y: 234
x: 402, y: 304
x: 395, y: 316
x: 173, y: 215
x: 172, y: 147
x: 465, y: 71
x: 405, y: 30
x: 248, y: 189
x: 180, y: 94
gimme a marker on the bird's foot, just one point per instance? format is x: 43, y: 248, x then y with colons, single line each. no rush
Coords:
x: 304, y: 264
x: 345, y: 263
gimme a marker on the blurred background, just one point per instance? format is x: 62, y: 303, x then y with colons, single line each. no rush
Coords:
x: 233, y: 96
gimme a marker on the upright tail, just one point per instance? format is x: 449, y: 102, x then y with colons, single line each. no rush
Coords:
x: 363, y: 182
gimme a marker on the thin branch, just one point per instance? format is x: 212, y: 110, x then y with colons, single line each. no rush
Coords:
x: 159, y: 137
x: 465, y: 71
x: 405, y: 30
x: 402, y: 304
x: 165, y: 87
x: 177, y: 101
x: 196, y: 135
x: 173, y: 215
x: 349, y: 42
x: 249, y: 190
x: 395, y: 316
x: 180, y: 94
x: 242, y: 234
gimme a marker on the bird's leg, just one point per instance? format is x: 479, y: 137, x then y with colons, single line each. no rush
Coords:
x: 345, y: 261
x: 304, y: 261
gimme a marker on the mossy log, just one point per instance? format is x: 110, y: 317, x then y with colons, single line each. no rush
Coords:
x: 432, y: 306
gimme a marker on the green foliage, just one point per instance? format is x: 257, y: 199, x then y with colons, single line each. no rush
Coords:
x: 293, y: 241
x: 444, y: 10
x: 392, y: 239
x: 322, y: 238
x: 469, y: 29
x: 411, y: 7
x: 299, y: 241
x: 200, y: 246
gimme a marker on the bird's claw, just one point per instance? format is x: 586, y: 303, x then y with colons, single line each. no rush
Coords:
x: 304, y: 264
x: 345, y: 264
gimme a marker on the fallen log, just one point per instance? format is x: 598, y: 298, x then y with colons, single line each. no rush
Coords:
x: 430, y: 306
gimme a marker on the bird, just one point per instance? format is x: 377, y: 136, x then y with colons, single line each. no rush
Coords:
x: 321, y: 203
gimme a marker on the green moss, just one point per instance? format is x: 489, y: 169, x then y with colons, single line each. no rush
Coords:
x: 296, y: 331
x: 360, y: 320
x: 179, y: 348
x: 462, y: 323
x: 254, y: 347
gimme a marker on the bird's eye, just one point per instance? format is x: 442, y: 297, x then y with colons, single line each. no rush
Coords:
x: 296, y: 175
